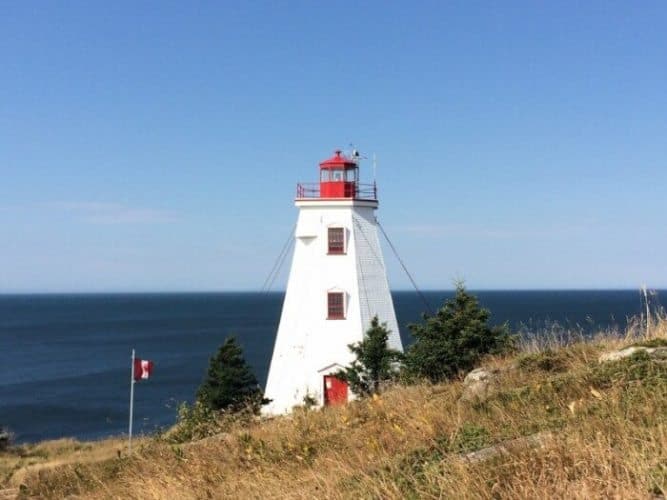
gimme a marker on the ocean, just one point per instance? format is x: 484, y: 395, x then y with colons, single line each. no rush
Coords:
x: 65, y: 359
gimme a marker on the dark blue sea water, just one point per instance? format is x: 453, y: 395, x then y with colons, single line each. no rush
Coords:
x: 65, y: 359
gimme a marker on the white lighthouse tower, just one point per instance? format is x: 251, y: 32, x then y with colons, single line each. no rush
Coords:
x: 337, y: 284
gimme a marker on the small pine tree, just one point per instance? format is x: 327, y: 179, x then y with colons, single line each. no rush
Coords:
x: 455, y: 339
x: 230, y: 383
x: 375, y: 362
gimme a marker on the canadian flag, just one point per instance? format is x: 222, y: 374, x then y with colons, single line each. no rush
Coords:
x: 142, y: 369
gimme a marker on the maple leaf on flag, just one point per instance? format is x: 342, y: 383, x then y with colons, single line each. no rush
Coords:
x: 143, y: 369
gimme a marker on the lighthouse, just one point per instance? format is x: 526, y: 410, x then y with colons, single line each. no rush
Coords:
x: 337, y: 284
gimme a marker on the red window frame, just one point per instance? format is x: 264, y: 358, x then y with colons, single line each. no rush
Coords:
x: 336, y: 240
x: 335, y: 305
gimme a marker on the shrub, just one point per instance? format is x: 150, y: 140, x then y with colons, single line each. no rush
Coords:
x: 655, y: 342
x: 470, y: 437
x: 638, y: 368
x: 547, y: 360
x: 5, y: 439
x: 455, y: 339
x: 194, y: 422
x: 375, y: 362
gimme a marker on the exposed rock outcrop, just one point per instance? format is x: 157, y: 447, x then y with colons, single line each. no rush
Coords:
x: 659, y: 353
x: 512, y: 446
x: 479, y: 384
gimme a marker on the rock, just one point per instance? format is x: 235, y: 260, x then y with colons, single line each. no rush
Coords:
x: 479, y: 374
x: 479, y: 384
x: 222, y: 437
x: 654, y: 352
x: 512, y: 446
x: 660, y: 354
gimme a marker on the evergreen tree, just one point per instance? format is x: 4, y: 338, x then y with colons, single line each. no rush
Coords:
x: 230, y: 383
x: 375, y: 362
x: 455, y: 339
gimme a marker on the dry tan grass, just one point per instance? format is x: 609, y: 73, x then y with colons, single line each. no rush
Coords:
x: 22, y: 461
x: 608, y: 422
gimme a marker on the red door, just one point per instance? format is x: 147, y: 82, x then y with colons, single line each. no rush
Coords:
x: 335, y: 391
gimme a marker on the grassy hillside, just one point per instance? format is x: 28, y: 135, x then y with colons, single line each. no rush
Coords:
x: 597, y: 430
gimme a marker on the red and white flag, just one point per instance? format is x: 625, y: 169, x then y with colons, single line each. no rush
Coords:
x: 142, y: 369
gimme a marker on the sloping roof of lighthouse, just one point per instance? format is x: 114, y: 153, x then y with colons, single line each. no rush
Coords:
x: 330, y: 367
x: 337, y: 160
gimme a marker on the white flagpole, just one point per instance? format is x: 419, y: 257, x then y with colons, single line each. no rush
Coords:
x: 129, y: 444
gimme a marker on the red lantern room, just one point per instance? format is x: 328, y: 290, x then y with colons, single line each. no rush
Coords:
x: 339, y: 178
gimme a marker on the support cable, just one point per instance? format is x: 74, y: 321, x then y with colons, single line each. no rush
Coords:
x: 280, y: 266
x: 278, y: 262
x: 414, y: 284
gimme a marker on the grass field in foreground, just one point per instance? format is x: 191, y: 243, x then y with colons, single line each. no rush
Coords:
x: 606, y: 428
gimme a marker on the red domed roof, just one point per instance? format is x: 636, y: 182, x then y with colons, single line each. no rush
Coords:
x: 338, y: 160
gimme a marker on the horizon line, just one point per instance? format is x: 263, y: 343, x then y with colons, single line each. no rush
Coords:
x: 241, y: 291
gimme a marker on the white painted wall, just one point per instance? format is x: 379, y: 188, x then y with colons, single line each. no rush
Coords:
x: 308, y: 345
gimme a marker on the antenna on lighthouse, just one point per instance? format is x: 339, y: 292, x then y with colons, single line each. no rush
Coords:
x: 355, y: 155
x: 375, y: 168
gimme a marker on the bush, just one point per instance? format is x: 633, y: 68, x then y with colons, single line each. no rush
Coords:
x: 455, y: 339
x: 5, y: 439
x: 636, y: 369
x: 547, y: 361
x: 193, y: 423
x: 656, y: 342
x: 470, y: 437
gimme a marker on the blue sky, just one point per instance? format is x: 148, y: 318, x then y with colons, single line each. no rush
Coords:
x: 155, y: 146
